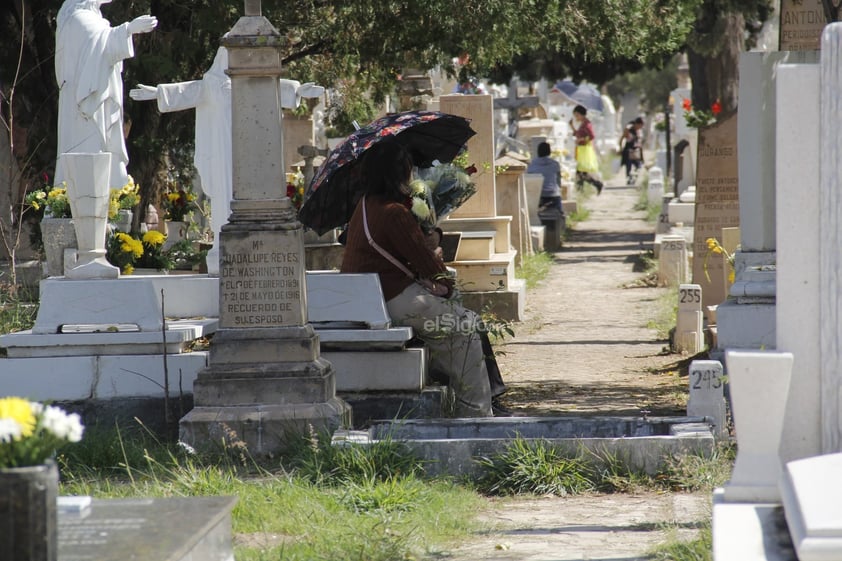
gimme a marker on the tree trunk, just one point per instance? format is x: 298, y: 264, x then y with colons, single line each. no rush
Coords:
x: 715, y: 75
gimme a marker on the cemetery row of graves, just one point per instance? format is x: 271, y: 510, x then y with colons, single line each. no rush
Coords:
x: 297, y: 346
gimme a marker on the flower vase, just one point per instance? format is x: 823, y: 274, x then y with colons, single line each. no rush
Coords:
x: 57, y: 234
x: 123, y: 222
x: 176, y: 231
x: 28, y: 515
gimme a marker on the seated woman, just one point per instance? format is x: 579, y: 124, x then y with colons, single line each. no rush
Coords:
x: 384, y: 237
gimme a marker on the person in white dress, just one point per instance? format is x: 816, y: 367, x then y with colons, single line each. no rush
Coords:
x: 89, y: 65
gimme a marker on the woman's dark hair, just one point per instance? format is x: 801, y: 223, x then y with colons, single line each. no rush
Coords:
x: 386, y: 166
x: 543, y: 149
x: 580, y: 109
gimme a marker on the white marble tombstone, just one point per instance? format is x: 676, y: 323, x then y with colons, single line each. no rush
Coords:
x: 798, y: 303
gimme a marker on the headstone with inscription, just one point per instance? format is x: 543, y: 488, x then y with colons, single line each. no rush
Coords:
x: 266, y: 380
x: 717, y: 203
x: 148, y: 529
x: 707, y: 394
x: 672, y: 261
x: 801, y: 24
x: 689, y: 334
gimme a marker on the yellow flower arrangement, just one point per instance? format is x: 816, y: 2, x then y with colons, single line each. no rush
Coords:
x: 715, y: 248
x: 53, y: 201
x: 125, y: 198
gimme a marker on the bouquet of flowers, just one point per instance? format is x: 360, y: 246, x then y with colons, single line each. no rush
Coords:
x: 52, y: 201
x: 699, y: 118
x: 178, y: 204
x: 127, y: 252
x: 295, y: 188
x: 30, y: 432
x: 440, y: 190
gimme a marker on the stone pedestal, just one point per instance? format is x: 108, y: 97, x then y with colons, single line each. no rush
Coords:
x: 266, y: 380
x: 88, y: 193
x: 759, y: 382
x: 511, y: 201
x: 486, y: 259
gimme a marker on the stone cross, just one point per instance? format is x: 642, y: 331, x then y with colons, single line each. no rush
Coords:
x: 512, y: 102
x: 309, y: 153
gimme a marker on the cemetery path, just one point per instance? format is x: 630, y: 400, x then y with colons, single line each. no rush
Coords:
x: 584, y: 348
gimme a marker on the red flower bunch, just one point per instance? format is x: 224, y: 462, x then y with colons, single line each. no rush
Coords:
x: 696, y: 119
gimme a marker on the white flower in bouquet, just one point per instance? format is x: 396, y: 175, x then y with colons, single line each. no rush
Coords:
x: 420, y: 204
x: 420, y: 208
x: 30, y: 432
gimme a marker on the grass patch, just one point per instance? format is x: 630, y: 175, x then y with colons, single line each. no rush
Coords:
x: 534, y: 467
x: 653, y: 211
x: 699, y: 549
x: 17, y: 312
x: 694, y: 473
x: 582, y: 212
x: 534, y: 268
x: 664, y: 311
x: 540, y: 467
x: 352, y: 502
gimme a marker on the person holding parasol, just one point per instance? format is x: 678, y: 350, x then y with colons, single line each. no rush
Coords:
x: 385, y: 237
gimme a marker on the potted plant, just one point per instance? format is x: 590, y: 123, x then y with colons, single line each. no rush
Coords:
x: 30, y: 433
x: 56, y: 228
x: 178, y: 205
x: 121, y: 203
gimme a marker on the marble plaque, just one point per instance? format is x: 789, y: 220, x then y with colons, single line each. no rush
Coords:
x: 717, y: 204
x: 802, y: 22
x: 148, y: 529
x: 261, y: 279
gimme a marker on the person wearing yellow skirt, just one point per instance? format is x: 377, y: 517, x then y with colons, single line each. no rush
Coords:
x: 587, y: 165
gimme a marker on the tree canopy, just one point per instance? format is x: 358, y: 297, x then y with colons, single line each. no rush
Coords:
x: 364, y: 42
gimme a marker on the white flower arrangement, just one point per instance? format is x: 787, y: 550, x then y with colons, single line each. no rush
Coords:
x: 30, y: 432
x: 438, y: 191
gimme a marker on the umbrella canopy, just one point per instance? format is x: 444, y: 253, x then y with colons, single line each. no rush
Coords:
x: 589, y: 97
x: 565, y: 86
x: 333, y: 194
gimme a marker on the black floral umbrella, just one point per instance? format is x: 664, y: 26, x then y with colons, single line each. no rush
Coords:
x: 333, y: 194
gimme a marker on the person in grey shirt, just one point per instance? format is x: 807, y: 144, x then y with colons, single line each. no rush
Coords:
x: 551, y: 171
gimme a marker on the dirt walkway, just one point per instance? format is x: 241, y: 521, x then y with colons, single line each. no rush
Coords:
x: 584, y: 348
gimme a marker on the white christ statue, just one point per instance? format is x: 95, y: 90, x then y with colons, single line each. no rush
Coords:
x: 89, y: 66
x: 211, y: 97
